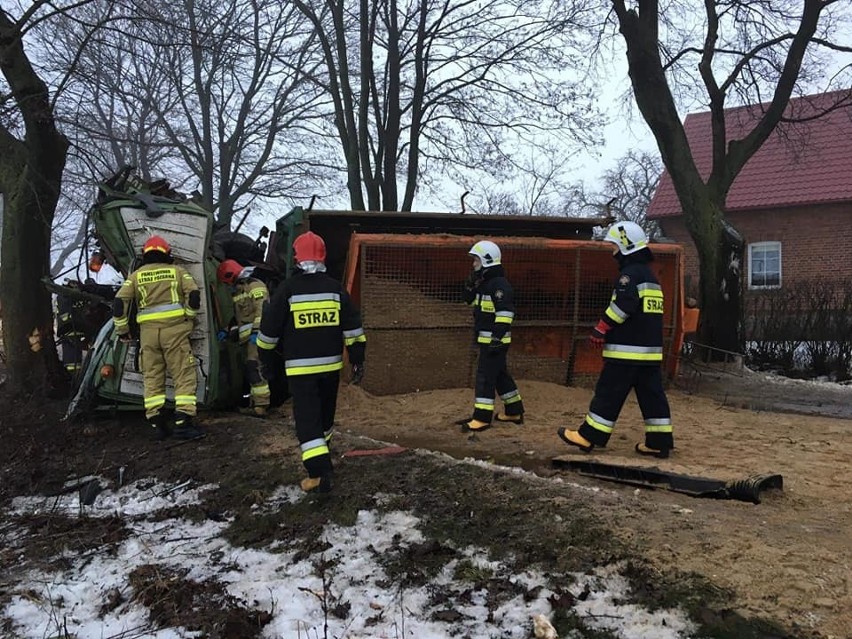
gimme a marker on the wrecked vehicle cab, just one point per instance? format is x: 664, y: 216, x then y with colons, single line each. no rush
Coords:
x: 127, y: 212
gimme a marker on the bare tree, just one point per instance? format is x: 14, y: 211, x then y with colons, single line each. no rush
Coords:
x: 495, y: 201
x: 534, y: 186
x: 70, y: 231
x: 741, y: 51
x: 106, y: 107
x: 418, y: 85
x: 624, y: 191
x: 107, y: 127
x: 214, y: 94
x: 32, y: 158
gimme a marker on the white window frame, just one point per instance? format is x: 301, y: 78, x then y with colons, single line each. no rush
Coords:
x: 763, y: 246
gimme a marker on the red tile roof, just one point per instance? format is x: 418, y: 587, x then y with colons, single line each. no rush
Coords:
x: 801, y: 163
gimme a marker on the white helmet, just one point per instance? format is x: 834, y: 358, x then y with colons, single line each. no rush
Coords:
x: 487, y: 252
x: 628, y: 236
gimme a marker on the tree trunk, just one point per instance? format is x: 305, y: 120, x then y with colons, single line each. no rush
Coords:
x: 421, y: 63
x: 28, y: 336
x: 371, y: 176
x: 720, y: 254
x: 391, y: 132
x: 30, y: 177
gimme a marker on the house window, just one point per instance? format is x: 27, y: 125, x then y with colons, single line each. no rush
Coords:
x: 764, y: 265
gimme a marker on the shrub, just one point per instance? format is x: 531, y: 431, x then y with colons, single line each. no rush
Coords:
x: 804, y: 329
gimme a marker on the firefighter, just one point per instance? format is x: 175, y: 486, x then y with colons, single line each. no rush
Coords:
x: 96, y: 262
x: 168, y: 301
x: 313, y: 317
x: 249, y: 295
x: 69, y: 329
x: 631, y: 335
x: 489, y: 293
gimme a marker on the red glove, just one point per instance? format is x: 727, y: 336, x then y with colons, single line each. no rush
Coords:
x: 598, y: 336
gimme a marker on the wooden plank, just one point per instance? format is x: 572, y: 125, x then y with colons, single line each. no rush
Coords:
x: 184, y: 231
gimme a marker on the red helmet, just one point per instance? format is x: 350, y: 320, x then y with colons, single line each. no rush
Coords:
x: 156, y: 243
x: 309, y: 247
x: 229, y: 271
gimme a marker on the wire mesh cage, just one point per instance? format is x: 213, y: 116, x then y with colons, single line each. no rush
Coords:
x: 420, y: 331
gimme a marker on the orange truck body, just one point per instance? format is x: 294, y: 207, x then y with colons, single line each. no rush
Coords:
x: 420, y: 335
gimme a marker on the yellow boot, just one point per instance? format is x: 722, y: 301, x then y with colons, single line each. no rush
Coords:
x: 318, y: 484
x: 475, y: 426
x: 574, y: 438
x: 514, y: 419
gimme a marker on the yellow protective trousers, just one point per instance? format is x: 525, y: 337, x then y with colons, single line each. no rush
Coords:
x: 256, y: 377
x: 166, y: 349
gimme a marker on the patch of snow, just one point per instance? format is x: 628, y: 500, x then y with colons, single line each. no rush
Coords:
x: 141, y: 497
x: 280, y: 496
x: 293, y: 590
x: 605, y: 609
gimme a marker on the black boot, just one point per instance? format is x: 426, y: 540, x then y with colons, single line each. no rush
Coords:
x: 647, y: 451
x: 162, y: 430
x: 185, y: 427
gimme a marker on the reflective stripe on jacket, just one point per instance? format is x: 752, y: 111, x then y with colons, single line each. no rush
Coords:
x: 161, y: 292
x: 312, y: 316
x: 249, y: 296
x: 493, y: 307
x: 635, y: 314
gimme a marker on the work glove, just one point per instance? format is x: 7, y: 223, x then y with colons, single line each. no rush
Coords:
x: 598, y: 336
x: 126, y: 338
x: 474, y: 279
x: 357, y: 374
x: 253, y: 339
x: 222, y: 335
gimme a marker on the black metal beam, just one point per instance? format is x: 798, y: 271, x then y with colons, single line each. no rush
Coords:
x: 747, y: 489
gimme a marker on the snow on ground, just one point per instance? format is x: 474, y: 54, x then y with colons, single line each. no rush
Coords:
x: 47, y: 603
x: 821, y: 381
x: 141, y: 497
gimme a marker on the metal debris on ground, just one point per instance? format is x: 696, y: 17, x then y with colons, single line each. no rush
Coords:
x: 748, y: 489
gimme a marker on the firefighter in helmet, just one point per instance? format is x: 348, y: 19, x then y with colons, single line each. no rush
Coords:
x: 69, y: 329
x: 631, y: 336
x: 249, y: 295
x: 313, y: 317
x: 489, y: 293
x: 167, y: 300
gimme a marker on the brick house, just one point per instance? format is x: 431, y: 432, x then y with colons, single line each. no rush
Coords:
x: 792, y: 202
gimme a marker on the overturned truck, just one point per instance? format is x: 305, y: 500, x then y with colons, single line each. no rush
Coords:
x: 404, y: 271
x: 127, y: 212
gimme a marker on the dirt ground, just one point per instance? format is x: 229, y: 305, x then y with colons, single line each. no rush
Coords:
x: 786, y: 559
x: 789, y: 557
